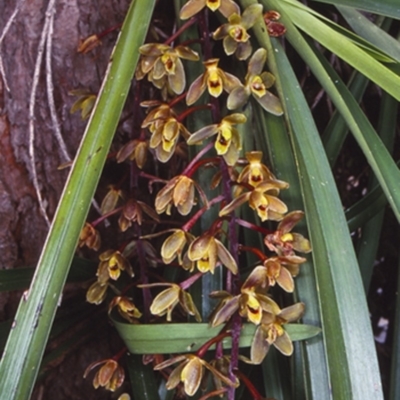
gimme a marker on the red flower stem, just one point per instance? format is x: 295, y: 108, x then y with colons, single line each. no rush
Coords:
x: 157, y: 234
x: 120, y: 354
x: 205, y: 32
x: 214, y: 394
x: 189, y: 225
x: 109, y: 30
x: 255, y: 251
x: 191, y: 41
x: 216, y: 225
x: 134, y: 175
x: 105, y: 216
x: 232, y: 282
x: 203, y: 349
x: 127, y: 288
x: 233, y: 365
x: 141, y: 254
x: 219, y: 351
x: 210, y: 160
x: 152, y: 178
x: 189, y: 282
x: 253, y: 227
x: 185, y: 26
x: 147, y: 297
x: 200, y: 154
x: 232, y: 234
x: 176, y: 100
x: 191, y: 110
x: 251, y: 388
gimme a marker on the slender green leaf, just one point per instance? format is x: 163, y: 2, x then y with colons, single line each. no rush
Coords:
x: 276, y: 382
x: 374, y: 150
x: 380, y: 160
x: 365, y: 209
x: 143, y: 382
x: 25, y: 346
x: 317, y: 380
x: 337, y: 129
x: 276, y: 142
x: 341, y: 45
x: 349, y: 341
x: 314, y: 379
x: 347, y: 330
x: 390, y: 8
x: 184, y: 338
x: 371, y: 32
x: 368, y: 242
x: 375, y: 51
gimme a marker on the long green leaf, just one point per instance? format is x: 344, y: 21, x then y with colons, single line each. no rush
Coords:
x: 349, y: 341
x: 367, y: 246
x: 390, y: 8
x: 276, y: 143
x: 374, y: 150
x: 365, y: 209
x: 371, y: 32
x: 185, y: 338
x: 27, y: 340
x: 380, y: 160
x: 315, y: 380
x: 143, y: 381
x: 342, y: 46
x: 337, y: 129
x: 276, y: 383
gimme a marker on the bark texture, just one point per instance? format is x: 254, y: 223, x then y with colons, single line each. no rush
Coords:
x: 22, y: 227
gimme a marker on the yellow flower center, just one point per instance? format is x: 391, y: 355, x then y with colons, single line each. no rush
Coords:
x: 274, y: 330
x: 257, y: 86
x: 252, y: 308
x: 224, y: 138
x: 238, y: 33
x: 287, y: 237
x: 213, y: 4
x: 169, y: 63
x: 255, y: 175
x: 203, y: 265
x: 214, y: 82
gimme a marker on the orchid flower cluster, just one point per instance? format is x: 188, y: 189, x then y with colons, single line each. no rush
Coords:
x: 156, y: 203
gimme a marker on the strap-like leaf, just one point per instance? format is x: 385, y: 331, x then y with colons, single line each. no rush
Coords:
x: 341, y: 45
x: 349, y: 341
x: 188, y: 338
x: 390, y: 8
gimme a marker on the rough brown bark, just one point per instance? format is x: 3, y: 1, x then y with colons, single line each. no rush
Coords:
x: 22, y: 227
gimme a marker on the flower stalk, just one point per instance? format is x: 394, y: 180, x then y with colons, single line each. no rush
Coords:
x: 197, y: 244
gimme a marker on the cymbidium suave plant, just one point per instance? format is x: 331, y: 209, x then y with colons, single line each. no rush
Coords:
x: 190, y: 247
